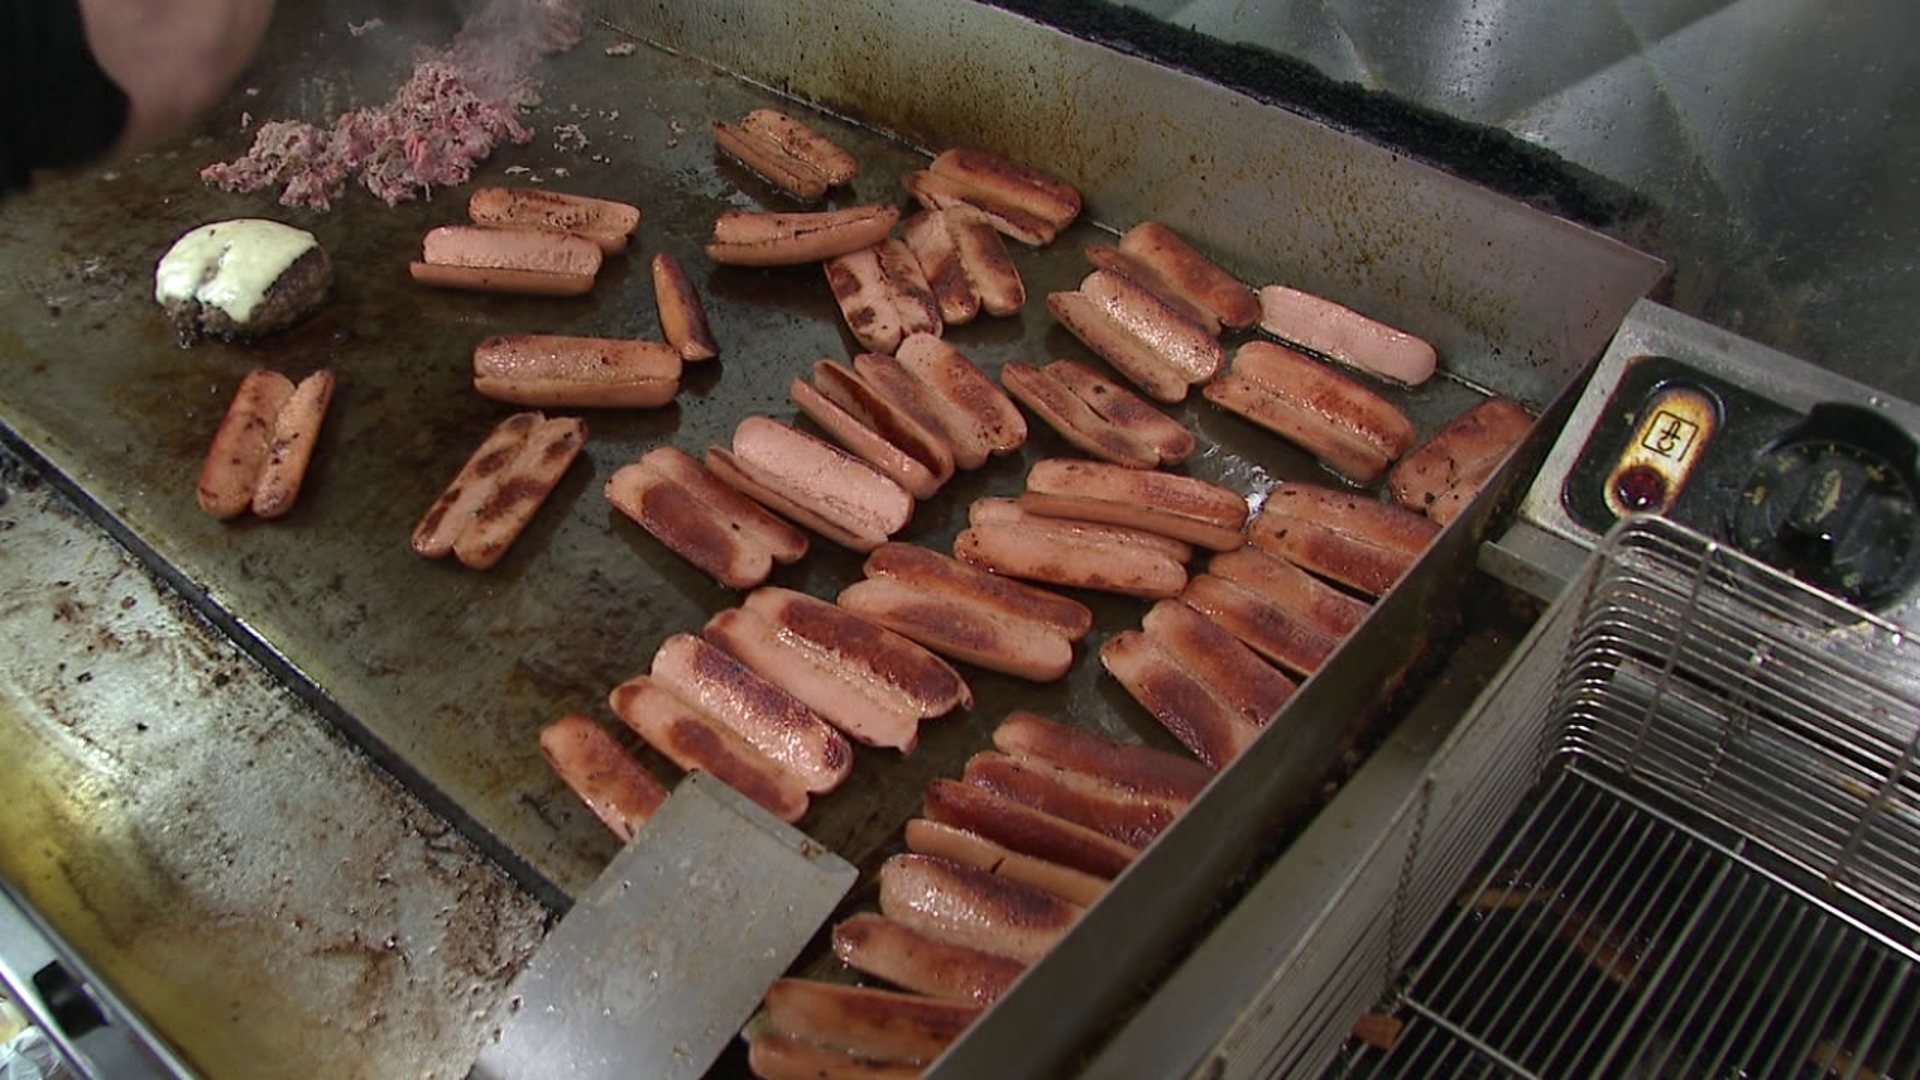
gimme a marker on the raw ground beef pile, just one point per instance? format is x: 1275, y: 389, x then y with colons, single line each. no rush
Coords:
x: 457, y: 106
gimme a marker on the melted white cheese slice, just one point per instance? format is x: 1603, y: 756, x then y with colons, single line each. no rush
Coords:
x: 229, y: 265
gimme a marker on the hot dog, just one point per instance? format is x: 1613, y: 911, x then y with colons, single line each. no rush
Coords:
x: 1352, y: 430
x: 515, y: 492
x: 259, y: 456
x: 1075, y: 420
x: 1022, y: 828
x: 773, y: 1055
x: 877, y: 413
x: 971, y: 907
x: 762, y: 238
x: 618, y: 789
x: 931, y: 241
x: 603, y: 221
x: 548, y: 370
x: 863, y: 441
x: 792, y: 155
x: 703, y: 520
x: 1055, y: 552
x: 1120, y: 406
x: 1441, y: 477
x: 867, y: 1022
x: 1290, y: 588
x: 691, y: 739
x: 1194, y: 713
x: 1131, y: 817
x: 776, y: 723
x: 975, y: 418
x: 1001, y: 511
x: 1130, y: 266
x: 815, y: 484
x: 1180, y: 343
x: 930, y: 571
x: 934, y: 838
x: 515, y: 260
x: 1131, y: 357
x: 908, y: 958
x: 683, y: 321
x: 1183, y: 507
x: 1281, y: 635
x: 454, y: 509
x: 1219, y: 659
x: 894, y: 666
x: 838, y: 695
x: 1128, y: 765
x: 961, y: 628
x: 1352, y: 539
x: 1023, y: 203
x: 1344, y: 335
x: 231, y: 472
x: 1192, y: 274
x: 883, y: 294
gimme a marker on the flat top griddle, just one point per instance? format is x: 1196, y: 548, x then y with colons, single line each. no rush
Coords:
x: 446, y: 675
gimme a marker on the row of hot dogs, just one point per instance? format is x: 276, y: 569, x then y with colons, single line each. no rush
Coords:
x: 769, y: 692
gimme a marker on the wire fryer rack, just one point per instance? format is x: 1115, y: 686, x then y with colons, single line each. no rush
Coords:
x: 1678, y: 837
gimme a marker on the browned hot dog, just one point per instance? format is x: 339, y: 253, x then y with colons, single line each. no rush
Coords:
x: 522, y: 486
x: 1076, y: 421
x: 1352, y: 539
x: 1138, y: 270
x: 618, y: 789
x: 799, y: 159
x: 883, y: 294
x: 931, y: 241
x: 776, y: 723
x: 1354, y: 431
x: 851, y: 392
x: 930, y: 571
x: 969, y: 906
x: 1128, y: 765
x: 295, y: 429
x: 762, y: 238
x: 961, y: 628
x: 453, y: 511
x: 683, y: 320
x: 1180, y: 343
x: 1192, y: 274
x: 693, y: 740
x: 1024, y: 829
x: 867, y: 1022
x: 1120, y: 406
x: 1022, y: 202
x: 975, y: 418
x: 1193, y: 712
x: 1291, y: 588
x: 864, y: 712
x: 1439, y: 478
x: 869, y: 445
x: 1001, y: 511
x: 772, y: 1055
x: 944, y: 841
x: 1098, y: 330
x: 1184, y: 507
x: 604, y: 221
x: 579, y: 372
x: 1283, y: 636
x: 1131, y: 817
x: 1219, y: 659
x: 887, y: 949
x: 895, y: 666
x: 231, y: 471
x: 1055, y: 552
x: 702, y: 520
x: 518, y: 260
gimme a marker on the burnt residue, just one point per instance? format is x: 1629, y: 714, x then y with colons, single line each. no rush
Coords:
x: 1483, y: 155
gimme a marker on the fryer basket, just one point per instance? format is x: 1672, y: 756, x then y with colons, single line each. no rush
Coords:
x: 1678, y: 836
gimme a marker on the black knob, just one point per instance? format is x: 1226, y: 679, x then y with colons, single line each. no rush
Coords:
x: 1835, y: 503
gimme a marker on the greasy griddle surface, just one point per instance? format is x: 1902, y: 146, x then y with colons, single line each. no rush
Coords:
x: 448, y: 674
